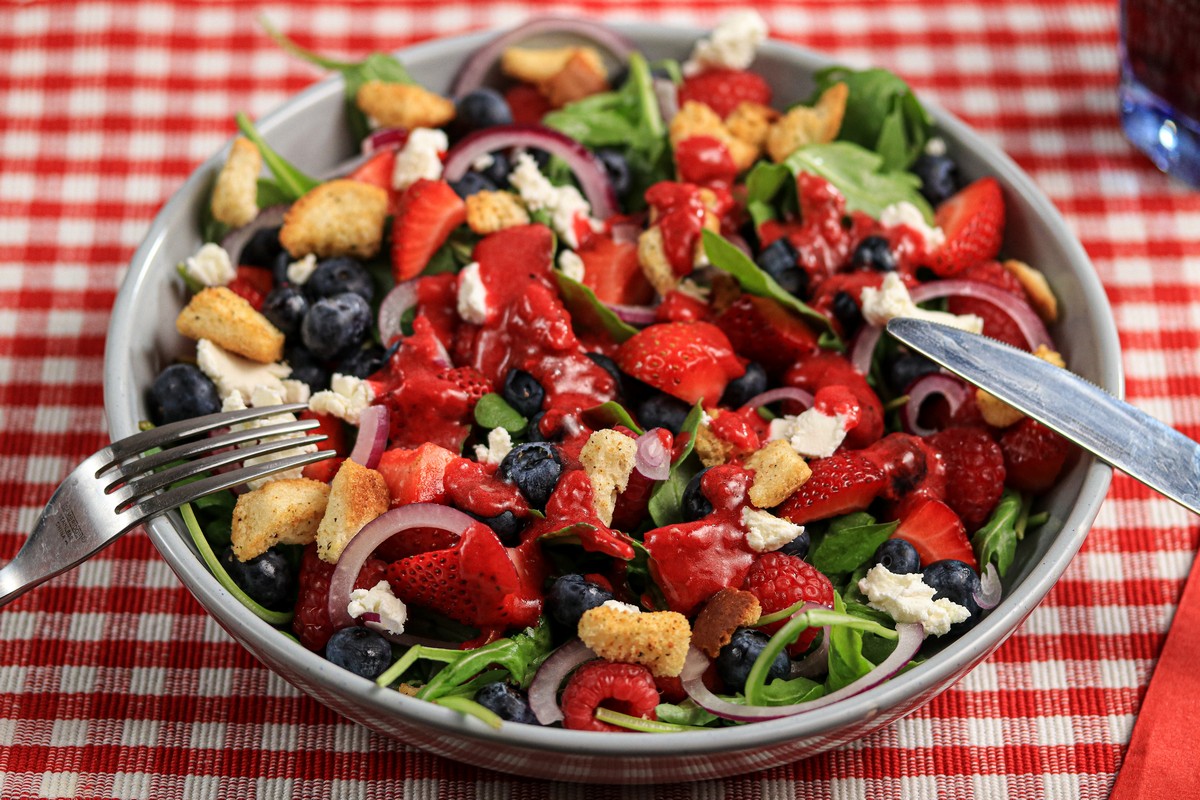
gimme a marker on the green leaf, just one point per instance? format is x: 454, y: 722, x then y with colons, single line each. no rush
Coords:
x: 639, y: 724
x: 211, y: 229
x: 292, y: 183
x: 589, y: 312
x: 685, y: 713
x: 996, y: 541
x: 861, y: 175
x: 493, y: 411
x: 765, y: 180
x: 846, y: 660
x: 726, y: 257
x: 611, y: 414
x: 790, y: 692
x: 521, y: 655
x: 882, y: 113
x: 666, y: 503
x: 270, y: 194
x: 845, y: 548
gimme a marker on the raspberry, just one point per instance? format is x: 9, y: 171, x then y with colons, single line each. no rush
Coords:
x: 470, y: 380
x: 311, y: 623
x: 974, y: 472
x: 1033, y: 455
x: 627, y: 688
x: 779, y: 581
x: 723, y: 90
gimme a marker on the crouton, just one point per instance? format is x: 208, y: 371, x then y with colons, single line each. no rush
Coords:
x: 751, y: 122
x: 229, y: 321
x: 711, y: 449
x: 657, y: 640
x: 778, y: 472
x: 488, y: 212
x: 608, y: 459
x: 403, y: 105
x: 235, y: 194
x: 697, y: 119
x: 357, y: 495
x: 652, y: 257
x: 285, y: 511
x: 999, y: 414
x: 1041, y: 296
x: 724, y: 613
x: 580, y: 77
x: 538, y: 65
x: 338, y: 218
x: 803, y: 125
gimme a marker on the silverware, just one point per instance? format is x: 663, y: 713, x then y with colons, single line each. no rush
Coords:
x: 118, y: 488
x: 1119, y: 434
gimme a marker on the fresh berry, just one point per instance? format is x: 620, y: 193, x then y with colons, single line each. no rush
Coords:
x: 873, y: 252
x: 535, y: 468
x: 480, y: 108
x: 336, y: 275
x: 427, y: 213
x: 262, y: 249
x: 334, y: 431
x: 959, y: 583
x: 360, y: 650
x: 897, y: 556
x: 363, y: 363
x: 471, y: 183
x: 527, y: 104
x: 625, y: 688
x: 779, y: 259
x: 507, y: 702
x: 737, y: 658
x: 691, y: 561
x: 608, y: 365
x: 798, y: 547
x: 705, y: 160
x: 506, y: 525
x: 617, y: 169
x: 660, y: 410
x: 764, y: 331
x: 780, y: 581
x: 843, y: 483
x: 935, y: 531
x: 415, y: 476
x: 335, y: 326
x: 377, y: 171
x: 902, y: 370
x: 847, y: 313
x: 695, y: 505
x: 905, y: 461
x: 182, y: 391
x: 523, y: 392
x: 1034, y: 455
x: 571, y: 595
x: 306, y: 367
x: 723, y: 90
x: 498, y: 171
x: 746, y: 388
x: 252, y: 284
x: 285, y: 308
x: 973, y: 221
x: 939, y: 177
x: 469, y: 380
x: 687, y: 360
x: 974, y: 472
x: 267, y: 578
x: 311, y: 623
x: 612, y: 272
x: 479, y: 490
x: 832, y: 369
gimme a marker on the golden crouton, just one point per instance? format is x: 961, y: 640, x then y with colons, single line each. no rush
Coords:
x: 652, y: 257
x: 403, y: 105
x: 536, y: 66
x: 229, y: 321
x: 285, y: 511
x: 1040, y: 295
x: 657, y: 640
x: 697, y: 119
x: 235, y: 194
x: 750, y: 122
x: 724, y: 613
x: 803, y: 125
x: 608, y: 459
x: 338, y: 218
x: 710, y: 448
x: 357, y: 495
x: 580, y: 77
x: 999, y: 414
x: 488, y: 212
x: 778, y: 472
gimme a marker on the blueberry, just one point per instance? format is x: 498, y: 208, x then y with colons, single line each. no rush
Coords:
x: 797, y: 547
x: 334, y: 326
x: 939, y: 177
x: 279, y: 267
x: 661, y: 410
x: 694, y: 504
x: 182, y: 391
x: 955, y: 580
x: 267, y: 578
x: 362, y: 363
x: 535, y: 468
x: 285, y: 307
x: 571, y: 595
x: 334, y: 276
x: 533, y: 431
x: 262, y: 249
x: 736, y: 659
x: 901, y: 371
x: 523, y: 392
x: 479, y: 109
x: 360, y: 650
x: 779, y: 260
x: 617, y: 169
x: 471, y: 183
x: 751, y: 384
x: 609, y: 366
x: 497, y: 172
x: 540, y: 157
x: 847, y: 312
x: 508, y: 703
x: 506, y: 525
x: 874, y: 253
x: 306, y: 368
x: 897, y: 556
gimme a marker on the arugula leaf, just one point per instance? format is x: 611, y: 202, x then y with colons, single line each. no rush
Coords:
x: 581, y: 301
x: 290, y: 181
x: 996, y: 541
x: 846, y: 660
x: 861, y: 175
x: 882, y: 113
x: 685, y: 713
x: 666, y: 503
x: 792, y: 691
x: 611, y: 414
x: 845, y: 547
x: 270, y: 194
x: 520, y: 654
x: 765, y: 180
x: 493, y: 411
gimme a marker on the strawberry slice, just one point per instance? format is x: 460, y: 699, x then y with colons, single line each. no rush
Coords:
x: 973, y: 221
x: 252, y: 284
x: 843, y: 483
x: 692, y: 561
x: 333, y: 428
x: 527, y: 104
x: 832, y: 369
x: 762, y: 330
x: 723, y: 90
x: 612, y: 271
x: 415, y: 476
x: 936, y: 532
x: 377, y: 171
x: 688, y: 360
x: 475, y: 488
x: 426, y: 214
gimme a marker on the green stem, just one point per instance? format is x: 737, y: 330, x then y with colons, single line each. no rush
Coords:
x: 644, y: 725
x: 463, y: 669
x: 289, y: 178
x: 411, y: 656
x: 1034, y: 520
x: 300, y: 52
x: 472, y: 709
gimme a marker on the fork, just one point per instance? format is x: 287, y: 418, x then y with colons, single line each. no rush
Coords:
x: 118, y: 488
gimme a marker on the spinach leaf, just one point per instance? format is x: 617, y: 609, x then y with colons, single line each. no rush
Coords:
x: 493, y: 411
x: 996, y: 541
x: 291, y: 183
x: 882, y: 113
x: 685, y: 713
x: 588, y: 311
x: 270, y: 194
x: 611, y: 414
x: 846, y: 660
x: 666, y: 503
x: 848, y: 545
x: 792, y: 691
x: 861, y: 175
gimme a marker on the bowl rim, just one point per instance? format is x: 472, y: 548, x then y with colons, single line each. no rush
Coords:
x: 170, y: 538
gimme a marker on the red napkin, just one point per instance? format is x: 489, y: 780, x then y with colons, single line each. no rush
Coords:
x: 1165, y: 748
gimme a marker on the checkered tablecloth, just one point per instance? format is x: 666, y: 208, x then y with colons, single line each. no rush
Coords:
x: 115, y: 683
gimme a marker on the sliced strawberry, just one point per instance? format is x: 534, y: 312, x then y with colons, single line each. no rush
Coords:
x: 692, y: 561
x: 843, y: 483
x: 253, y: 284
x: 763, y: 330
x: 679, y: 306
x: 936, y: 532
x: 688, y: 360
x: 1034, y: 455
x: 723, y: 90
x: 612, y: 271
x: 415, y: 476
x: 832, y: 369
x: 527, y: 104
x: 323, y: 471
x: 779, y: 581
x: 377, y: 171
x: 426, y: 214
x: 973, y: 221
x: 473, y: 487
x: 509, y: 260
x: 437, y: 301
x: 335, y: 430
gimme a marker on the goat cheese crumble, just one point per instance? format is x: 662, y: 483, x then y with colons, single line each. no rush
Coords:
x: 260, y: 397
x: 906, y: 214
x: 472, y: 303
x: 907, y: 598
x: 298, y: 272
x: 499, y: 444
x: 210, y: 266
x: 231, y: 372
x: 564, y: 204
x: 732, y: 44
x: 811, y: 433
x: 392, y: 611
x: 571, y: 265
x: 421, y: 157
x: 346, y: 398
x: 766, y: 532
x: 892, y: 300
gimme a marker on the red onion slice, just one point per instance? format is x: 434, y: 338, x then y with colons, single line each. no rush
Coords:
x: 384, y: 139
x: 543, y: 691
x: 954, y: 390
x: 907, y: 645
x: 373, y: 425
x: 396, y: 303
x: 1026, y: 319
x: 474, y: 71
x: 653, y: 457
x: 370, y: 616
x: 634, y: 315
x: 588, y: 169
x: 815, y: 663
x: 864, y: 348
x: 990, y: 588
x: 667, y: 94
x: 377, y: 531
x: 235, y: 241
x: 783, y: 393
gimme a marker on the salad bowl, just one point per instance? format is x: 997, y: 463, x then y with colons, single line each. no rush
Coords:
x: 309, y: 130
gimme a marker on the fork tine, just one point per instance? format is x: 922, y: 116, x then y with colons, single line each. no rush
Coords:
x: 188, y: 428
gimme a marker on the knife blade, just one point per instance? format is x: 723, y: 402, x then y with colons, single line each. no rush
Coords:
x: 1119, y: 434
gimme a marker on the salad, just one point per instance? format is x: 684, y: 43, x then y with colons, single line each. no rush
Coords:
x: 614, y: 440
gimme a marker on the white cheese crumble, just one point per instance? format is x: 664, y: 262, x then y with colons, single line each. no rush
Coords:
x: 379, y: 600
x: 571, y: 265
x: 811, y: 433
x: 892, y: 300
x: 472, y: 302
x: 421, y: 157
x: 732, y: 44
x: 499, y: 444
x: 262, y: 396
x: 689, y: 287
x: 564, y: 203
x: 617, y: 605
x: 766, y: 532
x: 295, y: 391
x: 482, y: 162
x: 907, y: 598
x: 298, y: 272
x: 210, y: 266
x: 936, y: 146
x: 231, y: 372
x: 346, y: 398
x: 906, y: 214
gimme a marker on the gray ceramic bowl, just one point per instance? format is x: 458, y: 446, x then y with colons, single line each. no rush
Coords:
x: 307, y: 129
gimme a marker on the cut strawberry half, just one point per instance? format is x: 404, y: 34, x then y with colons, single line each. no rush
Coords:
x: 936, y: 532
x: 692, y: 561
x: 426, y: 214
x: 415, y: 476
x: 723, y: 90
x: 252, y: 284
x: 612, y: 271
x: 973, y: 221
x: 377, y: 171
x: 764, y: 331
x: 688, y: 360
x: 843, y: 483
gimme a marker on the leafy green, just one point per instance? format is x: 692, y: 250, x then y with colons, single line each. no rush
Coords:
x: 611, y: 414
x: 270, y: 194
x: 846, y: 660
x: 850, y: 541
x: 666, y: 503
x: 996, y: 541
x: 639, y: 724
x: 590, y: 312
x: 882, y: 113
x: 493, y: 411
x: 791, y: 691
x: 861, y: 175
x: 211, y: 229
x: 290, y: 182
x: 685, y: 713
x: 465, y: 705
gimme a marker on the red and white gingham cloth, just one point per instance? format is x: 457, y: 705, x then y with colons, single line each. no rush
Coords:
x: 115, y: 684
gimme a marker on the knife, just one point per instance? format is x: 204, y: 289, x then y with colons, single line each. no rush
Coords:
x: 1117, y: 433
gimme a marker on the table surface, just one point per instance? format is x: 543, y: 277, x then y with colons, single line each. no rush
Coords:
x: 114, y: 682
